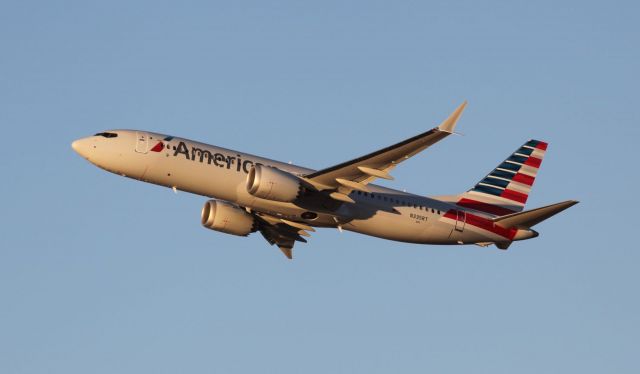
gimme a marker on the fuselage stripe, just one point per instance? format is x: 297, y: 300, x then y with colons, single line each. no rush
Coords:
x: 483, y: 223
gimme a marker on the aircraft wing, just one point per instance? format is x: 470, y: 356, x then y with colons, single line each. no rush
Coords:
x: 284, y: 243
x: 357, y: 173
x: 282, y: 232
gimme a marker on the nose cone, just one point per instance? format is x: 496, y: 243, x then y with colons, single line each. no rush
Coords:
x: 81, y: 146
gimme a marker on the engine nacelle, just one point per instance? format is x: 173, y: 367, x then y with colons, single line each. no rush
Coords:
x: 227, y: 218
x: 273, y: 184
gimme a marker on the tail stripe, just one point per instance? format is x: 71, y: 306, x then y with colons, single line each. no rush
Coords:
x: 529, y: 170
x: 514, y: 195
x: 520, y: 187
x: 503, y: 174
x: 486, y: 189
x: 517, y: 159
x: 495, y: 182
x: 524, y: 179
x: 509, y: 166
x: 536, y: 144
x: 533, y: 161
x: 484, y: 207
x: 508, y: 185
x: 527, y: 151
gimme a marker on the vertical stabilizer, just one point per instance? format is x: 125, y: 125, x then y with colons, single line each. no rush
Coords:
x: 505, y: 190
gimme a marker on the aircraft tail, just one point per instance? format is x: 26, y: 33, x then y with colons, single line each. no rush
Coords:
x: 522, y: 222
x: 530, y: 218
x: 505, y: 190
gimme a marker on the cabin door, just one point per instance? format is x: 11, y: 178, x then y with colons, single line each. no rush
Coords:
x: 460, y: 220
x: 142, y: 142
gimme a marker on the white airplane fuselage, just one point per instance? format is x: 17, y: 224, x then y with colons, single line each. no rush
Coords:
x: 221, y: 174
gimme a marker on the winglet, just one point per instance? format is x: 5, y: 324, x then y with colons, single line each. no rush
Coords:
x: 449, y: 124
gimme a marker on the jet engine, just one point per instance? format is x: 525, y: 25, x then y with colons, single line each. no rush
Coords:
x: 227, y: 218
x: 274, y: 184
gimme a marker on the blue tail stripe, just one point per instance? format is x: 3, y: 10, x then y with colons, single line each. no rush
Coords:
x: 525, y: 151
x: 501, y: 174
x: 496, y: 182
x: 518, y: 159
x: 509, y: 166
x: 488, y: 190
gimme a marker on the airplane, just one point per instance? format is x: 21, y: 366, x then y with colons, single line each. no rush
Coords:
x: 285, y: 202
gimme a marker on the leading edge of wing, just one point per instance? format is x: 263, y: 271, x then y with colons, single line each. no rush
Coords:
x: 395, y: 153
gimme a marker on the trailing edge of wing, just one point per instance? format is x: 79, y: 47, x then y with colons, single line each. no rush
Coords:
x: 365, y: 169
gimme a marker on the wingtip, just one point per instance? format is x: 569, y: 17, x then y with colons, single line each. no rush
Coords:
x: 287, y: 251
x: 449, y: 124
x: 570, y: 203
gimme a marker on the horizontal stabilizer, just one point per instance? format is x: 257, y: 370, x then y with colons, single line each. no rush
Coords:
x: 530, y: 218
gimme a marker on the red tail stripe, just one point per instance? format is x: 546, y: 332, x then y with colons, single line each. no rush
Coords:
x: 542, y: 145
x: 524, y: 179
x: 484, y: 207
x: 533, y: 161
x: 514, y: 195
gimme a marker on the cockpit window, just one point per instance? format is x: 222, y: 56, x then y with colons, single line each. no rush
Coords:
x: 107, y: 134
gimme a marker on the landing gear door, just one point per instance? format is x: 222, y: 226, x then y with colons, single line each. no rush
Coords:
x: 142, y: 142
x: 460, y: 220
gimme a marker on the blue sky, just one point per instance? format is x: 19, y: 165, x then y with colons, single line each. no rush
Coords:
x: 103, y: 274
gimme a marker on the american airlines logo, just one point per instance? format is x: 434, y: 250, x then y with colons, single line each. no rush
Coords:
x: 201, y: 155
